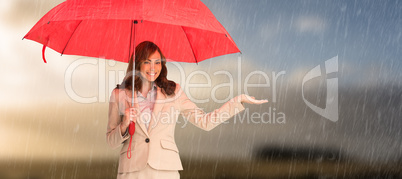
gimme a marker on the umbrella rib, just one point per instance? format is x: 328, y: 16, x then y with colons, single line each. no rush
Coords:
x: 70, y: 38
x: 50, y: 19
x: 190, y: 45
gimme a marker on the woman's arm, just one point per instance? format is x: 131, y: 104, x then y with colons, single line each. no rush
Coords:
x: 114, y: 135
x: 207, y: 121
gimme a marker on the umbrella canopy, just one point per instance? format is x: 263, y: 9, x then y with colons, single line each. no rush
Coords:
x: 185, y: 30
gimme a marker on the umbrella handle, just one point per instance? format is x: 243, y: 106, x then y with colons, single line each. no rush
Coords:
x: 131, y: 130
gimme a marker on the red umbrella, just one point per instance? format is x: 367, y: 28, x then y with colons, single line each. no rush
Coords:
x: 185, y: 30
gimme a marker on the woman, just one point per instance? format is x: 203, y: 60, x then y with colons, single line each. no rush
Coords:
x: 157, y: 105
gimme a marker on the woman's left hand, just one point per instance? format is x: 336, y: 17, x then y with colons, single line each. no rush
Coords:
x: 251, y: 100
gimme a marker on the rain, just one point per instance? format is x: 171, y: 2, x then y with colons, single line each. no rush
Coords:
x: 53, y: 115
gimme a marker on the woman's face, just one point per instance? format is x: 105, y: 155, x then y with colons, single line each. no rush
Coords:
x: 151, y: 67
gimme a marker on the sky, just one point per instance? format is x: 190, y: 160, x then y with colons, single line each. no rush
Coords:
x: 67, y: 107
x: 292, y: 35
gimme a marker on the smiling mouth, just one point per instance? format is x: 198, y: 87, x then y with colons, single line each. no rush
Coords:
x: 151, y: 74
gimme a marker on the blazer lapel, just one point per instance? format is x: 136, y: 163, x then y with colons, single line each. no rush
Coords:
x: 136, y: 106
x: 158, y: 106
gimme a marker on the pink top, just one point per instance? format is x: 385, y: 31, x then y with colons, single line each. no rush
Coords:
x: 146, y: 105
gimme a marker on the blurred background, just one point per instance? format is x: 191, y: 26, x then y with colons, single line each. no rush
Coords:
x: 53, y: 116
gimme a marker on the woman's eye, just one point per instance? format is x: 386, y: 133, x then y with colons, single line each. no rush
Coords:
x: 157, y: 63
x: 146, y: 62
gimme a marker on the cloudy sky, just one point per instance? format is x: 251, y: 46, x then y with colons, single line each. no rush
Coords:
x: 65, y: 108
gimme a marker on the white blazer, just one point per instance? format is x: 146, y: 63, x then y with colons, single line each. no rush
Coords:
x: 156, y: 145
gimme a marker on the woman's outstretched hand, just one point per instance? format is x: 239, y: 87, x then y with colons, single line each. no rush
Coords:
x: 129, y: 115
x: 251, y: 100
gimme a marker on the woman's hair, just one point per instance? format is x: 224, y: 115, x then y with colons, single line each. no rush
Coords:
x: 142, y: 53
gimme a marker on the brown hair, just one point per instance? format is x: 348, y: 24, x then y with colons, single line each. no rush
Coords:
x: 142, y: 53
